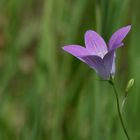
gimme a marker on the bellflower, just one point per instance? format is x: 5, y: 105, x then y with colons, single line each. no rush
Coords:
x: 97, y: 54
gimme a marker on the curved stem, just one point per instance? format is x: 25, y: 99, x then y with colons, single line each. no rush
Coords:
x: 118, y: 108
x: 122, y: 105
x: 124, y: 100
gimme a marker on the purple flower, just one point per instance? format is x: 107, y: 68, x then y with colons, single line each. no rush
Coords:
x: 96, y: 54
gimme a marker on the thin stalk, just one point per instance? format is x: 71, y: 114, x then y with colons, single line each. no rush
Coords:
x: 118, y: 108
x: 124, y: 100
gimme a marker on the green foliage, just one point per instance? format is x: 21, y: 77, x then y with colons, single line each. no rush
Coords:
x: 46, y: 94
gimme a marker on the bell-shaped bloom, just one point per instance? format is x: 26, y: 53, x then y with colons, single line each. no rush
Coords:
x: 97, y: 54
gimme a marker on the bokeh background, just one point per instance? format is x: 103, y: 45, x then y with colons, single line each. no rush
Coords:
x: 47, y: 94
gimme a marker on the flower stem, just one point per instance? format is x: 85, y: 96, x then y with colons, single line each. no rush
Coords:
x: 123, y: 102
x: 118, y: 108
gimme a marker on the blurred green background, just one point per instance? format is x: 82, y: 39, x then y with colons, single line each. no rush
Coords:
x: 47, y: 94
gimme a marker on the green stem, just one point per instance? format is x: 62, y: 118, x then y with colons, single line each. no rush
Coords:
x: 124, y: 100
x: 118, y: 108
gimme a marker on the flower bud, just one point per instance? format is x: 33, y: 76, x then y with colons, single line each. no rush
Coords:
x: 129, y: 85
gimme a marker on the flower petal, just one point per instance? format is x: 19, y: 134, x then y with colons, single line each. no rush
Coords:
x: 117, y: 38
x: 97, y: 64
x: 113, y: 70
x: 108, y: 61
x: 95, y: 43
x: 76, y: 50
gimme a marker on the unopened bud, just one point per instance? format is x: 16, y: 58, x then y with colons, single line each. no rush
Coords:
x: 129, y: 85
